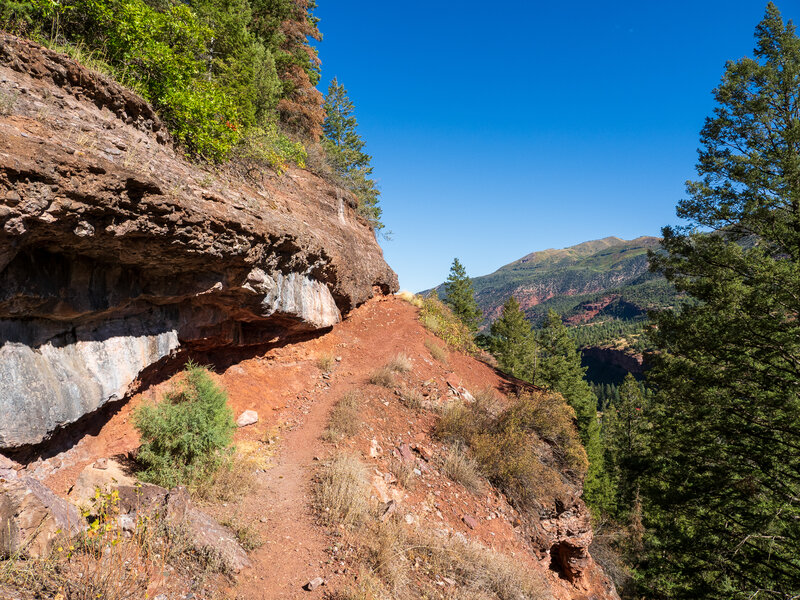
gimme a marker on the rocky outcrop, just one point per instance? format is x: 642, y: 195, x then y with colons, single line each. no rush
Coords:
x: 33, y: 519
x: 611, y: 365
x: 115, y: 252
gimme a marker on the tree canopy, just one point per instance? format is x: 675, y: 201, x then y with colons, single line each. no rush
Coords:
x: 723, y: 497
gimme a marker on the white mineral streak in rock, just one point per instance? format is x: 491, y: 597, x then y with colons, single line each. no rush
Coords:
x: 297, y: 295
x: 52, y: 385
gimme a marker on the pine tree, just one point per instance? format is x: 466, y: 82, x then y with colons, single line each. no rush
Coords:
x: 461, y: 296
x: 723, y: 500
x: 559, y: 369
x: 512, y: 342
x: 345, y: 150
x: 625, y: 434
x: 285, y: 27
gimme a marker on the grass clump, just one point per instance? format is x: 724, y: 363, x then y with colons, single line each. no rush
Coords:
x: 387, y: 551
x: 383, y: 377
x: 437, y: 317
x: 413, y: 299
x: 411, y: 398
x: 344, y: 419
x: 186, y: 437
x: 479, y: 572
x: 247, y: 536
x: 436, y: 351
x: 459, y: 467
x: 400, y: 363
x: 326, y: 362
x: 342, y: 491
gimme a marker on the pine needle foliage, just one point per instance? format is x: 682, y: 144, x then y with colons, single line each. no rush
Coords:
x: 186, y: 437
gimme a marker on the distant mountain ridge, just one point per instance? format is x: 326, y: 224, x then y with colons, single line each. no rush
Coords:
x: 582, y: 270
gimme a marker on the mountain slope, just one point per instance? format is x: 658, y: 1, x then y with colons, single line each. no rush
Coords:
x: 581, y: 270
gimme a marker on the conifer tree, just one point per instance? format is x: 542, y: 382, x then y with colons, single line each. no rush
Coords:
x: 461, y: 296
x: 723, y: 499
x: 512, y: 342
x: 345, y: 149
x: 625, y: 435
x: 559, y: 369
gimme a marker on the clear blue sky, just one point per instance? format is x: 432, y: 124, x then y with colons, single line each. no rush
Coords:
x: 501, y: 129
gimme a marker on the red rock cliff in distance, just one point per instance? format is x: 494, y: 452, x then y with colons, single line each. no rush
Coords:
x: 115, y: 251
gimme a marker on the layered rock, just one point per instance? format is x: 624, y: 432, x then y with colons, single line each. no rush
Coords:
x: 115, y: 251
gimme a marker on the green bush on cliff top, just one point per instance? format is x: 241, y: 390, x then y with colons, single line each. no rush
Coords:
x: 186, y: 437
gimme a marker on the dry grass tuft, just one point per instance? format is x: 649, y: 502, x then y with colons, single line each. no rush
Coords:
x: 412, y: 398
x: 462, y: 469
x: 413, y: 299
x: 345, y: 418
x: 245, y: 533
x: 235, y: 478
x: 383, y: 377
x: 342, y: 491
x: 400, y: 363
x: 437, y: 351
x: 326, y: 362
x: 478, y: 571
x: 404, y: 472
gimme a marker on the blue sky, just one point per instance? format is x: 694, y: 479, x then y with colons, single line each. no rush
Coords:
x: 501, y: 129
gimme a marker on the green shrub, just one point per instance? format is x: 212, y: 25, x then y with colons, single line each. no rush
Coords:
x: 267, y: 145
x: 185, y: 437
x: 440, y: 320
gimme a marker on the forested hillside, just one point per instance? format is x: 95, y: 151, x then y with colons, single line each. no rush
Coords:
x: 602, y: 289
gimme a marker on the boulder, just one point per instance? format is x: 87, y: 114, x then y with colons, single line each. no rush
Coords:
x: 33, y: 518
x: 109, y: 475
x: 111, y: 262
x: 248, y: 417
x: 206, y: 534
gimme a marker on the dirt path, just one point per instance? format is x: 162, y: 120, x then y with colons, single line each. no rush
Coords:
x: 280, y: 509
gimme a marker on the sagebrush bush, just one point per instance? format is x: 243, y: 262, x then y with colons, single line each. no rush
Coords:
x: 186, y: 437
x: 443, y: 323
x: 503, y: 442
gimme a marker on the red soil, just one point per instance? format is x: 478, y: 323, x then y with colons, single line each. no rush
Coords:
x: 286, y: 387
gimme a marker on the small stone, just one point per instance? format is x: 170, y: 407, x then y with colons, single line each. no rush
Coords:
x: 470, y: 521
x: 405, y: 453
x: 374, y: 449
x: 338, y: 359
x: 314, y: 584
x: 388, y: 510
x: 248, y: 417
x: 161, y: 597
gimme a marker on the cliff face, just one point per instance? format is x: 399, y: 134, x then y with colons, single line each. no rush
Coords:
x: 116, y: 252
